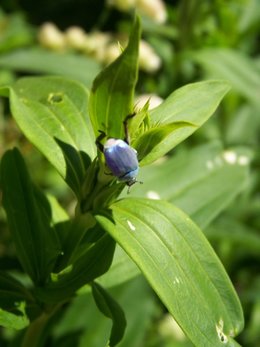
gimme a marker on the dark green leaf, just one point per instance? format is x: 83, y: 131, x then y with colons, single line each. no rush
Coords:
x: 93, y: 263
x: 111, y: 97
x: 29, y: 218
x: 111, y: 309
x: 181, y: 267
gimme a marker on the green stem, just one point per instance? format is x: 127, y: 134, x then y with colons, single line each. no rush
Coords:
x: 34, y: 332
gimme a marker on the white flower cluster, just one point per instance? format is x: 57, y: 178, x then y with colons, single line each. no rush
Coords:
x: 155, y: 9
x: 101, y: 46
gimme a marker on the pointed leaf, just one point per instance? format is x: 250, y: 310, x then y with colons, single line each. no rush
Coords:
x: 111, y: 309
x: 153, y: 140
x: 112, y: 93
x: 181, y: 267
x: 51, y: 111
x: 29, y: 218
x: 194, y: 104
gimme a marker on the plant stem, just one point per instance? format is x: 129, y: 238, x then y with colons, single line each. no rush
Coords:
x: 34, y: 332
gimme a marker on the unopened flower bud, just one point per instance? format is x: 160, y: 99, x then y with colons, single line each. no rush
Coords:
x: 149, y: 61
x: 153, y: 99
x: 51, y: 37
x: 155, y: 9
x: 112, y: 52
x: 75, y: 37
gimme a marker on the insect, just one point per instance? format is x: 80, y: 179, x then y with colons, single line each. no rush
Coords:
x: 120, y: 157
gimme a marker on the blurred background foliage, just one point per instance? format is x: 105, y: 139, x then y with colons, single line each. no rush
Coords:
x: 183, y: 42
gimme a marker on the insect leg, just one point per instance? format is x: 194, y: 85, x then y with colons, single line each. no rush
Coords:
x: 127, y: 137
x: 99, y: 139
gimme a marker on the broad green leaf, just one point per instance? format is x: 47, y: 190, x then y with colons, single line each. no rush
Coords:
x: 36, y: 60
x: 181, y: 267
x: 202, y: 181
x: 52, y: 113
x: 111, y: 309
x: 187, y: 180
x: 29, y: 218
x: 112, y: 93
x: 193, y: 104
x: 93, y: 263
x: 233, y: 66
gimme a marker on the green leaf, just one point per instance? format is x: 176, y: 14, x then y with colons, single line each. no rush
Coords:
x: 112, y: 93
x: 15, y: 31
x: 11, y: 292
x: 52, y: 113
x: 193, y: 104
x: 187, y: 180
x: 29, y: 218
x: 57, y: 211
x: 153, y: 139
x: 233, y: 66
x: 202, y: 181
x: 122, y: 270
x: 93, y: 263
x: 13, y: 321
x: 237, y: 235
x: 181, y: 267
x: 36, y: 60
x: 111, y: 309
x: 16, y: 303
x: 82, y: 319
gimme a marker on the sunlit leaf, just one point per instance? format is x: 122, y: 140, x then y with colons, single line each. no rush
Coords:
x: 112, y: 93
x: 52, y: 113
x: 192, y: 104
x: 181, y: 267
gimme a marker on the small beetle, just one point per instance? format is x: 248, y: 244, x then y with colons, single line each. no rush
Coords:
x: 120, y: 157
